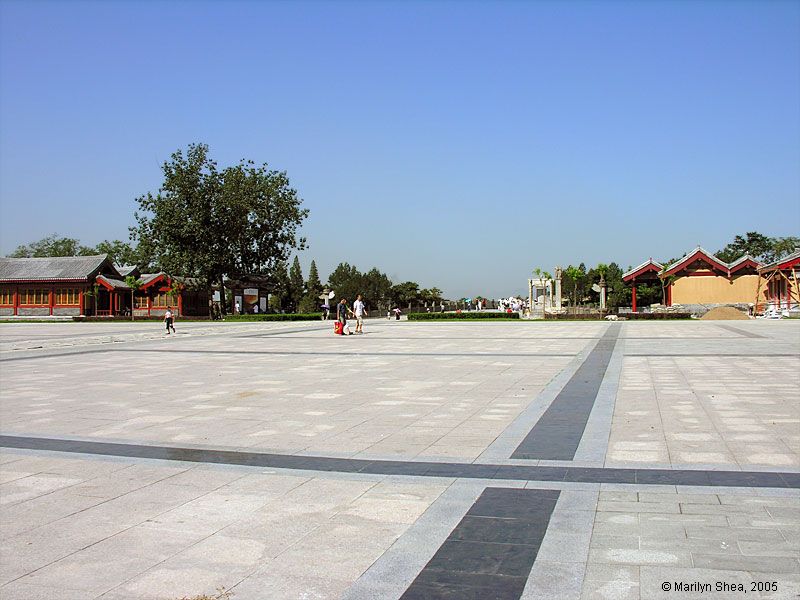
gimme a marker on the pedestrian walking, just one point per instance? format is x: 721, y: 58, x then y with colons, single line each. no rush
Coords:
x: 341, y: 315
x: 359, y: 311
x: 169, y: 320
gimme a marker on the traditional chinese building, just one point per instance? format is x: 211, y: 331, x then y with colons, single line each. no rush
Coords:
x: 778, y: 289
x: 91, y: 286
x: 700, y: 278
x: 645, y: 273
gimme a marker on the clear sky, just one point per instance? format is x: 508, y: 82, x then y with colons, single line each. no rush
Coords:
x: 456, y: 144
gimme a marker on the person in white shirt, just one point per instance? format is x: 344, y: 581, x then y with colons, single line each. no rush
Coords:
x: 360, y: 311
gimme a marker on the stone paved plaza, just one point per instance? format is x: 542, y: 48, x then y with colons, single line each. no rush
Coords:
x: 420, y: 460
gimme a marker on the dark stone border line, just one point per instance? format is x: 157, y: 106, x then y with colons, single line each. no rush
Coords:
x: 558, y: 432
x: 418, y: 469
x: 741, y: 332
x: 491, y: 551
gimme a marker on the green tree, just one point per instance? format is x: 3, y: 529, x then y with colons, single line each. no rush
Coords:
x: 207, y: 224
x: 574, y: 276
x: 753, y: 243
x: 94, y: 293
x: 782, y: 247
x: 311, y: 301
x: 53, y: 245
x: 135, y: 284
x: 120, y: 253
x: 346, y: 281
x: 296, y: 285
x: 376, y: 289
x: 280, y: 296
x: 405, y: 293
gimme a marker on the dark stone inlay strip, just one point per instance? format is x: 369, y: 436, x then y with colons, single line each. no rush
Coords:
x: 741, y: 332
x: 558, y: 432
x: 411, y: 468
x: 491, y: 551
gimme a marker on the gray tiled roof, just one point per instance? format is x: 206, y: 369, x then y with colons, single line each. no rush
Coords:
x: 115, y: 283
x: 53, y: 268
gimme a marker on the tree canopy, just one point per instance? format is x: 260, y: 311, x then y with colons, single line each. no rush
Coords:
x: 208, y: 223
x: 759, y: 246
x: 119, y: 252
x: 53, y: 245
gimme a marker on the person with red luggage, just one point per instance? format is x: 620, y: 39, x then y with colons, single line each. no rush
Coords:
x: 341, y: 316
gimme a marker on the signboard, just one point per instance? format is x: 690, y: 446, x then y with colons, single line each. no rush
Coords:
x: 216, y: 297
x: 251, y: 292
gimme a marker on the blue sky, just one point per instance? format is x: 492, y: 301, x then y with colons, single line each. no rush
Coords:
x: 459, y: 145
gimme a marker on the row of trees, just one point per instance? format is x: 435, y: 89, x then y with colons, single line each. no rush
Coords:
x: 293, y: 294
x: 121, y: 253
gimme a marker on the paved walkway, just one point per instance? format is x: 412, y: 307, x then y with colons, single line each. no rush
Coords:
x: 420, y: 460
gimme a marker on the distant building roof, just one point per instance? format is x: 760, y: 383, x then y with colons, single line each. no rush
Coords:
x: 698, y: 253
x: 125, y: 270
x: 56, y: 268
x: 782, y: 263
x: 649, y: 266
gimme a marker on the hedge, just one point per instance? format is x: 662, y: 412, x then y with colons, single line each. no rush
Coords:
x: 276, y: 317
x: 463, y: 316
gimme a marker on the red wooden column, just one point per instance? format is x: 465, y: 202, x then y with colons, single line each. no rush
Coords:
x: 16, y: 300
x: 633, y: 297
x: 80, y: 301
x: 669, y: 295
x: 149, y: 303
x: 51, y: 296
x: 180, y: 304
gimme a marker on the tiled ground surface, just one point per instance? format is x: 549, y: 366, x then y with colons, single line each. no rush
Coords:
x: 693, y: 395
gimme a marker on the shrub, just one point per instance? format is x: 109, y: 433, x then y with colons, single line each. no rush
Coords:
x: 276, y: 317
x: 462, y: 316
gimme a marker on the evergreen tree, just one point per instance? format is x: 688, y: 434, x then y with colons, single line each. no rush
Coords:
x: 311, y: 302
x: 296, y: 289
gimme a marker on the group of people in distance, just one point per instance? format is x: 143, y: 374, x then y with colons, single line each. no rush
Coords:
x: 358, y: 311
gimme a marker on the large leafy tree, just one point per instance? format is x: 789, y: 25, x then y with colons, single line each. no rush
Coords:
x: 405, y: 293
x: 376, y: 288
x: 346, y: 281
x: 207, y: 223
x: 53, y: 245
x: 121, y: 253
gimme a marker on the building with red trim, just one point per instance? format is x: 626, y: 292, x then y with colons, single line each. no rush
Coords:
x: 778, y: 289
x: 90, y: 285
x: 700, y: 278
x: 645, y: 273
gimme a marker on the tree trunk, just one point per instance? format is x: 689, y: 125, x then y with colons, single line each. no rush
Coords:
x: 222, y: 297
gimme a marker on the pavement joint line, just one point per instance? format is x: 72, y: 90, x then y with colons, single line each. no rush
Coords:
x: 564, y: 474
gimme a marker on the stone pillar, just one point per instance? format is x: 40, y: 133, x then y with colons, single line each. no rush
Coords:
x: 603, y: 287
x: 530, y: 296
x: 557, y: 299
